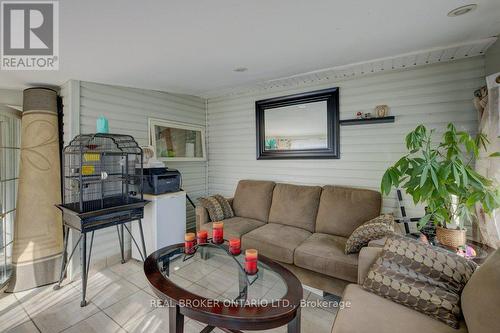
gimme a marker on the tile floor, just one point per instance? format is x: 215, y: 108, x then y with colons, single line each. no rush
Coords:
x: 120, y: 301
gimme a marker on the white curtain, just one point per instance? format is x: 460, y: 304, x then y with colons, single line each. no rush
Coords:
x: 488, y: 104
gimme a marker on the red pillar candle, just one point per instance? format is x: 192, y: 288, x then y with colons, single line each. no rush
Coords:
x: 202, y: 236
x: 235, y: 246
x: 251, y: 261
x: 189, y: 243
x: 218, y: 232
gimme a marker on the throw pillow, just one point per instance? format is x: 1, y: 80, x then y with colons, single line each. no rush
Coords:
x: 422, y: 277
x: 213, y: 207
x: 376, y: 228
x: 226, y: 207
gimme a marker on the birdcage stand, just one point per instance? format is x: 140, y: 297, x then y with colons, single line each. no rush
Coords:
x: 86, y: 257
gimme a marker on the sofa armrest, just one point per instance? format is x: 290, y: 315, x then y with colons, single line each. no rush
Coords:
x: 367, y: 257
x: 202, y: 217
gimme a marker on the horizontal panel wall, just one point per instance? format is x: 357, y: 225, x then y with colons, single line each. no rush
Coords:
x: 128, y: 110
x: 433, y: 95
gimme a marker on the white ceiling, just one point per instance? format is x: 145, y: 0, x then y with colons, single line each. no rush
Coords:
x: 192, y: 46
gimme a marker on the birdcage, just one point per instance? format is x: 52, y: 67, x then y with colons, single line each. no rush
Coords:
x: 100, y: 172
x: 102, y: 187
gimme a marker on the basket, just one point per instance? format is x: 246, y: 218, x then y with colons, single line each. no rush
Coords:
x: 453, y: 238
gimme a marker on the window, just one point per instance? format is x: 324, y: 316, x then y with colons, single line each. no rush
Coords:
x: 10, y: 134
x: 177, y: 141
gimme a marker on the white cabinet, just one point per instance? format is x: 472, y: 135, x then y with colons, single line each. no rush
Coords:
x: 164, y: 222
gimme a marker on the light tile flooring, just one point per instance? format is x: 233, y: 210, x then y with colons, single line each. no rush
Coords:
x: 120, y: 301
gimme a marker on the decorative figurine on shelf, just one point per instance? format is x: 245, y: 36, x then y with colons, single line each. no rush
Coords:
x: 382, y: 110
x: 367, y: 115
x: 359, y: 115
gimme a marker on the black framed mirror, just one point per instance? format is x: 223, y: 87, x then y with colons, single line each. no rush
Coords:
x: 299, y: 126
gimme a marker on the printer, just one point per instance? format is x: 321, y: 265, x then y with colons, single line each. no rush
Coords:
x: 158, y: 179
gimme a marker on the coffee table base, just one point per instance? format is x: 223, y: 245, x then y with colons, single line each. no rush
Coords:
x: 176, y: 323
x: 175, y: 319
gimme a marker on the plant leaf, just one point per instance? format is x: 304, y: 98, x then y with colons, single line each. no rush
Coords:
x: 423, y: 177
x: 424, y: 220
x: 434, y: 179
x: 386, y: 183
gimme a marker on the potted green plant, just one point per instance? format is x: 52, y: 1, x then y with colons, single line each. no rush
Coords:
x: 441, y: 176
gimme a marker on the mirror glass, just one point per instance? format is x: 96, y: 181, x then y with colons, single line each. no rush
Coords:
x: 177, y: 142
x: 296, y: 127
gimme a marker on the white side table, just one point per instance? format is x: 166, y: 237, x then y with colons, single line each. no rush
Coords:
x: 164, y: 222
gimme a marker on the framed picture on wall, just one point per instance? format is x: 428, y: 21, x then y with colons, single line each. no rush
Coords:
x: 299, y: 126
x: 174, y: 141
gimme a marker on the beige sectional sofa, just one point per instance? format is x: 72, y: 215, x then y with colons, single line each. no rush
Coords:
x: 369, y: 312
x: 303, y: 227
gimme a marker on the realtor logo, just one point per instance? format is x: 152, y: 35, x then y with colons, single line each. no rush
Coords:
x: 29, y: 35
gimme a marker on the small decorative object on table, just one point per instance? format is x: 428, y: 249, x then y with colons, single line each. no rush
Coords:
x: 359, y: 115
x: 251, y: 261
x: 202, y: 236
x: 367, y: 115
x: 235, y: 246
x: 467, y: 251
x: 218, y: 232
x: 381, y: 110
x: 189, y: 243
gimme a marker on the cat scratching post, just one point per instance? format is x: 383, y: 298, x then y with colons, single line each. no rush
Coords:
x: 37, y: 248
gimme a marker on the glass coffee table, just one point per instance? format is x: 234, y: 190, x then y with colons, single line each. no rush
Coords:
x: 211, y: 287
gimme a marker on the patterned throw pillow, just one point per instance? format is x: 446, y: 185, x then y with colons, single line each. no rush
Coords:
x: 226, y: 207
x: 376, y: 228
x: 422, y: 277
x: 213, y: 207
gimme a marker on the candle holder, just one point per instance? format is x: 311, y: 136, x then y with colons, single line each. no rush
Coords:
x: 235, y: 246
x: 218, y: 232
x: 202, y: 236
x: 250, y: 278
x: 251, y: 261
x: 189, y: 243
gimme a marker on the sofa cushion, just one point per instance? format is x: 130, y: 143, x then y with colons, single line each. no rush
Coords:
x: 214, y: 208
x: 371, y: 313
x: 422, y: 277
x: 343, y: 209
x: 275, y: 241
x: 324, y: 253
x: 235, y: 227
x: 481, y: 297
x: 226, y: 206
x: 374, y: 229
x: 295, y: 205
x: 252, y: 199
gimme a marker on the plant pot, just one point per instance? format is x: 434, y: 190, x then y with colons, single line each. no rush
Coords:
x: 453, y: 238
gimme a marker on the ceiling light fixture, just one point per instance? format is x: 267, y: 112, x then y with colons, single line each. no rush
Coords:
x: 462, y: 10
x: 240, y: 69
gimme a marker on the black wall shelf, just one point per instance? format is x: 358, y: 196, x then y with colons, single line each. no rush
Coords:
x: 346, y: 122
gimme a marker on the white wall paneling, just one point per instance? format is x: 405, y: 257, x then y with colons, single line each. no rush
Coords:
x: 128, y: 110
x: 433, y: 95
